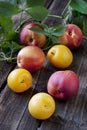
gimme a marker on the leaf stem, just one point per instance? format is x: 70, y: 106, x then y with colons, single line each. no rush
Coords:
x: 55, y: 16
x: 3, y: 57
x: 22, y: 22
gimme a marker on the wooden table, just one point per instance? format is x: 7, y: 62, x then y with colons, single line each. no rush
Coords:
x: 72, y: 114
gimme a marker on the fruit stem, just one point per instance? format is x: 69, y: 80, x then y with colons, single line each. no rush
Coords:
x: 52, y: 53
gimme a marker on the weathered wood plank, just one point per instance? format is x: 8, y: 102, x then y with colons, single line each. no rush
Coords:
x: 14, y: 114
x: 48, y: 3
x: 4, y: 71
x: 13, y: 106
x: 73, y: 112
x: 56, y: 8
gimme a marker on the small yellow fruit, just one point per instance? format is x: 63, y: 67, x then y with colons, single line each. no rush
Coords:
x: 41, y: 106
x: 60, y: 56
x: 19, y: 80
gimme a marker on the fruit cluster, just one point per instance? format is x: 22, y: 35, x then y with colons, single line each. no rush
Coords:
x: 62, y: 84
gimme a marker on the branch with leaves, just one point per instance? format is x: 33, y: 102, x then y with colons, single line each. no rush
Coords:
x: 9, y: 38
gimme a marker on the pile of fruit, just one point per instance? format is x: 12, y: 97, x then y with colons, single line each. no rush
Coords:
x: 40, y: 42
x: 62, y: 84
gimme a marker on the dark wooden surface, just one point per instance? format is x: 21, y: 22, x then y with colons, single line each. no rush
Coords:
x: 14, y: 114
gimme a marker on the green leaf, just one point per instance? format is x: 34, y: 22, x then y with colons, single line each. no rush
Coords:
x: 7, y: 30
x: 1, y: 30
x: 13, y: 36
x: 8, y: 10
x: 10, y: 1
x: 79, y: 5
x: 15, y: 46
x: 38, y: 30
x: 21, y: 1
x: 85, y: 25
x: 77, y: 19
x: 44, y: 26
x: 5, y: 47
x: 14, y: 2
x: 32, y: 3
x: 10, y: 47
x: 58, y: 30
x: 7, y: 24
x: 55, y: 40
x: 38, y: 12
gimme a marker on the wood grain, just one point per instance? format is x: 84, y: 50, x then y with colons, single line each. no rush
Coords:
x: 72, y: 114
